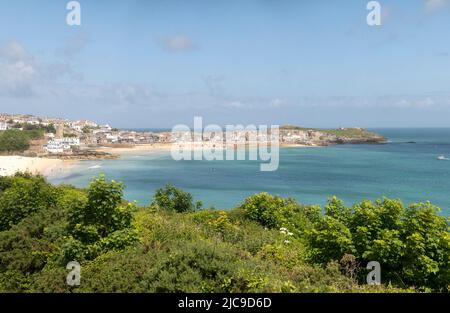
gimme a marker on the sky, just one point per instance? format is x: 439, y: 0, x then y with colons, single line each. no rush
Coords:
x: 158, y: 63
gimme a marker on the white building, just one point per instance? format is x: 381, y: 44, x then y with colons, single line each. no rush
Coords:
x: 3, y: 126
x: 69, y: 141
x: 112, y: 138
x: 54, y: 148
x: 105, y: 128
x: 33, y: 122
x: 77, y: 127
x: 61, y: 145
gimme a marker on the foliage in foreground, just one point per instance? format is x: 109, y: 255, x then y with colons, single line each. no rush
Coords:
x: 267, y: 244
x: 412, y: 244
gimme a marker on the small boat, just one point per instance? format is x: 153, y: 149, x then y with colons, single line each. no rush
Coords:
x: 443, y: 158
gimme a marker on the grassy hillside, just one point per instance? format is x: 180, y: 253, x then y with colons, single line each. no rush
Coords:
x: 266, y: 244
x: 349, y: 133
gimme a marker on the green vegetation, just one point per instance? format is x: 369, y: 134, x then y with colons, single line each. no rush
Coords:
x: 88, y: 129
x: 36, y: 129
x: 14, y: 141
x: 23, y: 196
x: 412, y: 244
x: 17, y: 139
x: 267, y: 244
x: 353, y: 133
x: 99, y: 221
x: 173, y: 199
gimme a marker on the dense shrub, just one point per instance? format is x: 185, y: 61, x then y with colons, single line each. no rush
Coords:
x: 412, y: 244
x: 23, y: 196
x: 173, y: 199
x: 34, y: 242
x: 99, y: 222
x: 14, y: 140
x: 270, y: 211
x: 277, y: 212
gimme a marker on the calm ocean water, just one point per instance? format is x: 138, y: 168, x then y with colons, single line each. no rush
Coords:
x: 406, y: 168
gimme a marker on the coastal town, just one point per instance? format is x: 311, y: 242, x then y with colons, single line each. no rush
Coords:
x: 65, y: 138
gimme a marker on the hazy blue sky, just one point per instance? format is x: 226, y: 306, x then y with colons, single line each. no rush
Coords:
x: 158, y: 63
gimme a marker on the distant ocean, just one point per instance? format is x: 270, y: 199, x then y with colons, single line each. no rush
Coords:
x: 153, y: 130
x: 406, y: 168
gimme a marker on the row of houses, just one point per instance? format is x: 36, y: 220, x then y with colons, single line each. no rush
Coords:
x: 29, y: 119
x: 61, y: 145
x: 79, y: 126
x: 105, y: 136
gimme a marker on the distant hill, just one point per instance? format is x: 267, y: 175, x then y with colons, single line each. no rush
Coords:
x: 319, y: 136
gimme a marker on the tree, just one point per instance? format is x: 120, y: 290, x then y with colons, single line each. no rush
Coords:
x: 173, y: 199
x: 50, y: 129
x: 426, y: 256
x: 412, y: 244
x: 13, y: 140
x: 23, y: 196
x: 329, y: 240
x: 86, y: 129
x: 102, y: 221
x: 272, y: 211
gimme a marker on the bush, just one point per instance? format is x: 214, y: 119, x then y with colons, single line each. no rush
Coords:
x: 265, y: 209
x: 30, y: 245
x: 13, y: 140
x: 329, y: 240
x: 23, y: 196
x: 176, y: 200
x: 412, y: 244
x: 276, y: 212
x: 100, y: 222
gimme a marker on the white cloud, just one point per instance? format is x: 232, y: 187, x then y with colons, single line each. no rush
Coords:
x: 276, y: 103
x: 126, y: 94
x: 17, y: 71
x: 433, y: 5
x: 23, y: 75
x: 13, y: 51
x: 430, y: 102
x: 177, y: 43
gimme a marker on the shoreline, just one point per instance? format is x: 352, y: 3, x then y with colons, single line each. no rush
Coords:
x: 157, y: 147
x: 10, y: 165
x: 165, y: 147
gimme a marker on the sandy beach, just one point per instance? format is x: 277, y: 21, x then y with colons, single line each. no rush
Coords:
x: 136, y: 148
x: 9, y: 165
x: 156, y: 147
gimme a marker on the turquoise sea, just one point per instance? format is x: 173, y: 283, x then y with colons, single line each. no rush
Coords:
x: 406, y: 168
